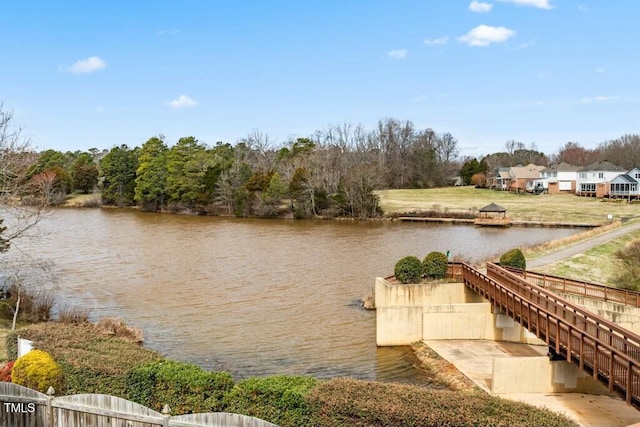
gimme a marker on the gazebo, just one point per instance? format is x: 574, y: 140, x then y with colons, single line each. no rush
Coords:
x: 492, y: 214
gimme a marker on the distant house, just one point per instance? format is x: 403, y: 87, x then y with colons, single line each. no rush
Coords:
x: 626, y: 185
x: 499, y: 179
x: 593, y: 180
x: 560, y: 178
x: 525, y: 178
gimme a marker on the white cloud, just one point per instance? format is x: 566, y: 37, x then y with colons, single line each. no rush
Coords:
x: 398, y: 54
x: 480, y: 7
x: 168, y: 32
x: 599, y: 70
x: 437, y: 41
x: 484, y: 35
x: 599, y: 99
x: 540, y: 4
x: 89, y: 65
x: 182, y: 101
x: 583, y: 8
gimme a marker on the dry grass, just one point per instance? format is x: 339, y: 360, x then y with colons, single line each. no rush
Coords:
x: 544, y: 248
x: 441, y: 371
x: 520, y: 207
x: 115, y: 327
x: 73, y: 315
x: 82, y: 201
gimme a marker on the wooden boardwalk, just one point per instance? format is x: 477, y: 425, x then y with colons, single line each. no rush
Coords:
x: 604, y: 350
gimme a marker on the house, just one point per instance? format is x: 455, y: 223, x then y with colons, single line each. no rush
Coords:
x: 560, y: 178
x: 626, y: 185
x: 593, y: 180
x: 524, y: 178
x: 500, y: 179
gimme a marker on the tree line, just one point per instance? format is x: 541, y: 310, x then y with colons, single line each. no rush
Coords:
x: 333, y: 173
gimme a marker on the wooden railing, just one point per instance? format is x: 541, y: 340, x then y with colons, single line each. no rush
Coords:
x: 580, y: 288
x: 607, y: 352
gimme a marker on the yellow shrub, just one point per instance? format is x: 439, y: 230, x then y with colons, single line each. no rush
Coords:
x: 37, y: 370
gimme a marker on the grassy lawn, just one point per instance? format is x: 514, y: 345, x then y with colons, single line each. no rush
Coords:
x: 597, y: 265
x: 520, y: 207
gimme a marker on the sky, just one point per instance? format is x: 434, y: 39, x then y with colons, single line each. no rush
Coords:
x: 84, y: 74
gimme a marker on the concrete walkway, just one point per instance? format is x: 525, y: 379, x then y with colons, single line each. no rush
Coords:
x: 474, y: 358
x: 581, y: 247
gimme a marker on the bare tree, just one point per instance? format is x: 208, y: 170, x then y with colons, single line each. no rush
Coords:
x: 15, y: 159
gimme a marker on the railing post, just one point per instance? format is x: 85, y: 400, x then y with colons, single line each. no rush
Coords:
x: 50, y: 422
x: 629, y: 383
x: 166, y: 415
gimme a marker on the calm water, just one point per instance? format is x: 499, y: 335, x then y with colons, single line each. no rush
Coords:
x: 254, y: 297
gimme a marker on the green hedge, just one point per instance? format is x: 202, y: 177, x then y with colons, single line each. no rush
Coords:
x: 435, y: 265
x: 514, y: 258
x: 345, y: 402
x: 185, y: 387
x: 408, y: 270
x: 90, y: 361
x: 279, y: 399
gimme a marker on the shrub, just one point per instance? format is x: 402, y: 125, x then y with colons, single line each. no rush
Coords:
x: 514, y: 258
x: 35, y: 306
x: 116, y: 327
x: 343, y: 402
x: 279, y: 399
x: 90, y: 361
x: 37, y: 370
x: 435, y: 265
x: 629, y: 275
x: 408, y: 270
x: 186, y: 388
x: 73, y: 315
x: 5, y: 372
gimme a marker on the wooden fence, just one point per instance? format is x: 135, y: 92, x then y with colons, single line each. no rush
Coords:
x: 23, y: 407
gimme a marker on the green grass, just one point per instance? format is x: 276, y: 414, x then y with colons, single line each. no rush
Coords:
x: 520, y: 207
x: 597, y: 265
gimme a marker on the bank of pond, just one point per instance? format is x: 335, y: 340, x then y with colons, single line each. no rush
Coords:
x: 95, y: 360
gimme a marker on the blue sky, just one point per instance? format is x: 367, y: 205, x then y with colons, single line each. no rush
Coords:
x: 82, y: 74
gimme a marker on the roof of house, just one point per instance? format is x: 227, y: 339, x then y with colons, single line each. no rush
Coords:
x: 530, y: 171
x: 625, y: 177
x: 561, y: 167
x: 492, y: 207
x: 603, y: 166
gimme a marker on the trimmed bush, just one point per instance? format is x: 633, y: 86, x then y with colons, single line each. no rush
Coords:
x: 514, y: 258
x: 185, y: 387
x: 279, y: 399
x: 435, y: 265
x: 408, y: 270
x: 5, y: 372
x: 342, y: 402
x: 37, y: 370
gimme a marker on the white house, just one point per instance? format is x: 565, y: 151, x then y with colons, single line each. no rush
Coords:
x: 593, y: 179
x: 626, y: 185
x: 560, y: 178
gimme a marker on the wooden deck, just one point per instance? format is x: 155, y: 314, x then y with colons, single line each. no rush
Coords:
x: 495, y: 222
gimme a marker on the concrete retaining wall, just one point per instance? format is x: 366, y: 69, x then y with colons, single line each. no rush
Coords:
x: 409, y: 313
x: 540, y: 375
x: 624, y: 315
